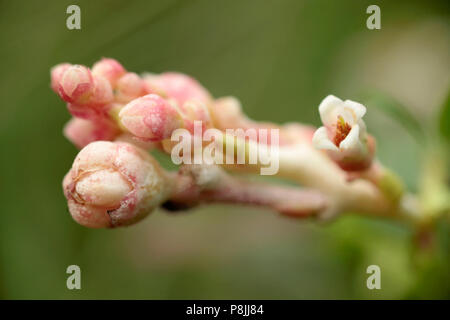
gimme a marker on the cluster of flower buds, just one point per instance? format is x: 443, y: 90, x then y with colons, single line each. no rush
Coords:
x: 113, y: 100
x: 118, y: 116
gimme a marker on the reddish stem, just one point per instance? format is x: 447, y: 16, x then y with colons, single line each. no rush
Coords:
x: 289, y: 201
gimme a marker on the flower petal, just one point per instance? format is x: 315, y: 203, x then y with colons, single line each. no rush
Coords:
x: 321, y: 141
x: 327, y: 109
x: 351, y: 140
x: 358, y: 109
x: 362, y: 129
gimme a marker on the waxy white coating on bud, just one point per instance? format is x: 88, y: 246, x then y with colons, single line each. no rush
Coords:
x: 344, y: 134
x: 113, y: 184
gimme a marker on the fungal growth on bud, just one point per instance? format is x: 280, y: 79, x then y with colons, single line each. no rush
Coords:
x: 151, y: 118
x: 344, y: 134
x: 113, y: 184
x: 177, y: 86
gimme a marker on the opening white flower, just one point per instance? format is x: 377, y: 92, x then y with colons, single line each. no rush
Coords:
x: 344, y: 133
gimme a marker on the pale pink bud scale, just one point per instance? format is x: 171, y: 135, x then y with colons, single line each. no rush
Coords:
x: 76, y: 84
x: 102, y: 93
x: 129, y: 87
x: 178, y: 86
x: 194, y: 110
x: 103, y: 188
x: 150, y: 117
x: 110, y: 69
x: 56, y: 74
x: 81, y: 132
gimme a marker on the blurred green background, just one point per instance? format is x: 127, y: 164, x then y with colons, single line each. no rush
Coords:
x: 281, y: 58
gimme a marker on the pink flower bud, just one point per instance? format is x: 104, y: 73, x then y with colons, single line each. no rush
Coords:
x: 113, y: 184
x: 82, y: 111
x: 87, y: 95
x: 178, y: 86
x: 102, y: 93
x: 130, y: 86
x: 76, y: 84
x: 56, y: 74
x: 110, y: 69
x: 194, y: 110
x: 151, y: 117
x: 81, y: 132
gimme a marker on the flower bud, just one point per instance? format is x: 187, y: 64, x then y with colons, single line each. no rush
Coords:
x: 193, y: 110
x: 151, y: 118
x: 81, y: 132
x: 227, y: 113
x: 76, y: 84
x: 102, y: 93
x: 130, y: 86
x: 110, y: 69
x: 344, y: 135
x: 56, y: 74
x: 113, y: 184
x: 178, y: 86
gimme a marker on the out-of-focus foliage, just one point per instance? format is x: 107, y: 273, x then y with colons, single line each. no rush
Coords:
x: 396, y: 111
x: 280, y: 58
x: 444, y: 119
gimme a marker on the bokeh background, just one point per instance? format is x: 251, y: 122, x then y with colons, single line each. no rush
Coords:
x: 281, y: 58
